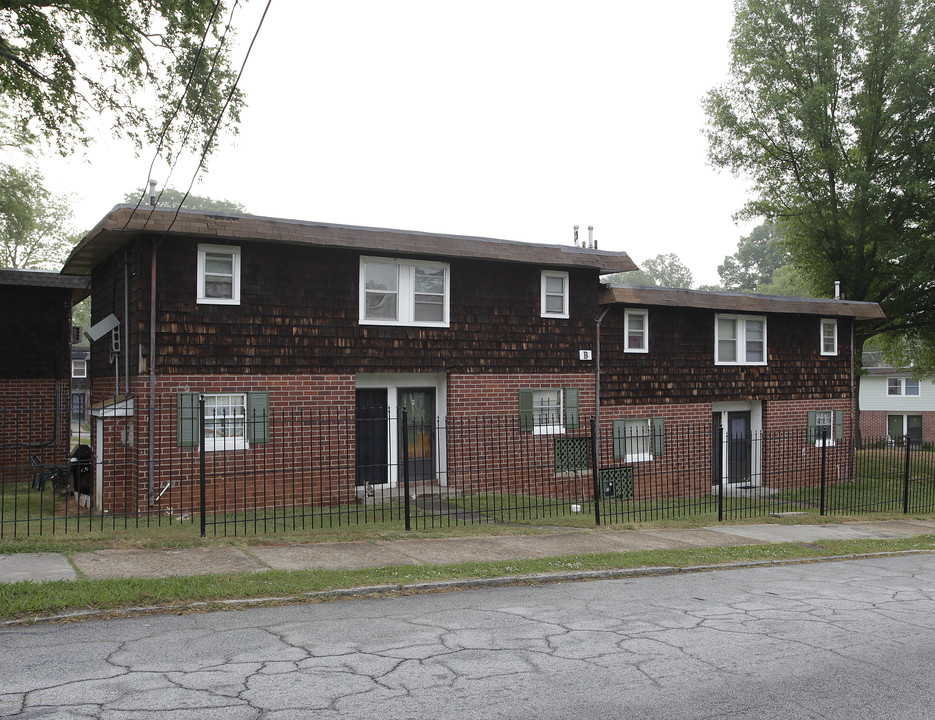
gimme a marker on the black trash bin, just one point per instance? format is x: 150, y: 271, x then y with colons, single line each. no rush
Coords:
x: 80, y: 461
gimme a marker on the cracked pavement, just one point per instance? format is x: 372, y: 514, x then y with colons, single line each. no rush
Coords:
x: 852, y: 639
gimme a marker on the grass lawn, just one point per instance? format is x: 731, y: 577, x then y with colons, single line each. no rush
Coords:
x: 26, y: 600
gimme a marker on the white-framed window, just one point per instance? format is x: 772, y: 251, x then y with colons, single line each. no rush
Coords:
x: 545, y: 411
x: 829, y: 336
x: 739, y: 340
x: 636, y: 331
x: 225, y: 421
x: 825, y: 423
x: 824, y: 426
x: 404, y: 292
x: 218, y: 275
x: 902, y: 386
x: 633, y: 440
x: 79, y: 368
x: 554, y: 292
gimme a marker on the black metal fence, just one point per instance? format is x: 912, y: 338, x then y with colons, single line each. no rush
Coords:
x: 301, y: 469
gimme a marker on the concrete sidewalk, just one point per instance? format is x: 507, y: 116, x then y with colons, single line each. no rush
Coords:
x: 427, y: 551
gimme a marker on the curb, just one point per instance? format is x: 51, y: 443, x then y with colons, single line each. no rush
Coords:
x: 377, y: 591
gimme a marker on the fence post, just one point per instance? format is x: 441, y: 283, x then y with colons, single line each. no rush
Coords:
x: 824, y: 452
x: 405, y: 462
x: 201, y: 464
x: 720, y: 480
x: 596, y: 469
x: 906, y: 476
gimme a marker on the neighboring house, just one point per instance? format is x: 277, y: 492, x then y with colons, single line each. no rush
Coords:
x: 35, y: 324
x: 753, y: 368
x: 262, y: 314
x: 895, y: 403
x: 80, y: 379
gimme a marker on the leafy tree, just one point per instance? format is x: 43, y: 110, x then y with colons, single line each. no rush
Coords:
x: 34, y: 223
x: 828, y: 110
x: 758, y: 256
x: 63, y: 62
x: 171, y: 198
x: 786, y: 281
x: 663, y: 270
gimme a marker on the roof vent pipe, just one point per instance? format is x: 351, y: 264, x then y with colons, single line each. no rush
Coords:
x: 590, y: 236
x: 575, y: 243
x: 837, y: 289
x: 152, y: 193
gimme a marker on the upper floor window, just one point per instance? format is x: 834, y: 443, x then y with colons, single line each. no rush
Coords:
x: 404, y: 292
x: 554, y: 291
x: 79, y: 368
x: 739, y: 340
x: 219, y: 274
x: 829, y: 336
x: 902, y: 386
x: 636, y: 330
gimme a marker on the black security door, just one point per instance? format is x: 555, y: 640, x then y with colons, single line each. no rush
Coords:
x: 739, y: 447
x: 372, y: 437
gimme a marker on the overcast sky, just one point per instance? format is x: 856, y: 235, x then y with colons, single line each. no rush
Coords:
x: 505, y: 119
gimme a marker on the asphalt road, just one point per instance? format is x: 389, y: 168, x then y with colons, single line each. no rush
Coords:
x: 853, y: 639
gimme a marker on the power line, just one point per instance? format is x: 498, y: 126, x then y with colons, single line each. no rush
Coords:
x: 178, y: 106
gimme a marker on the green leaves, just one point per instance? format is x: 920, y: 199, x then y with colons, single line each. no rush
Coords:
x: 34, y: 224
x: 829, y: 110
x: 128, y: 61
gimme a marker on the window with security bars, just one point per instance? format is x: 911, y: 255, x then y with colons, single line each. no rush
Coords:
x: 572, y: 454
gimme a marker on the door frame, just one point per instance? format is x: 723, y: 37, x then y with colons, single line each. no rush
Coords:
x: 393, y: 383
x: 755, y: 408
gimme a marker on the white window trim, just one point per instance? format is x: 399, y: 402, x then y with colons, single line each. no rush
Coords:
x: 821, y: 326
x: 626, y: 331
x: 553, y: 428
x: 902, y: 387
x: 241, y: 442
x: 741, y: 339
x: 829, y: 441
x: 84, y: 368
x: 542, y: 284
x: 639, y: 457
x: 234, y: 252
x: 405, y: 292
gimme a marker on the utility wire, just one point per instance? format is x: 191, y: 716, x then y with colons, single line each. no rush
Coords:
x: 178, y: 108
x: 217, y: 122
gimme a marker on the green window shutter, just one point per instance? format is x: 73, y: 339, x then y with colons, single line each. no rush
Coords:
x: 189, y: 431
x: 572, y: 420
x: 526, y: 419
x: 659, y: 437
x: 812, y: 428
x: 620, y: 439
x: 838, y: 425
x: 258, y: 416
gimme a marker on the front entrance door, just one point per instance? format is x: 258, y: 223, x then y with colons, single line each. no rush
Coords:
x: 419, y: 433
x: 372, y: 437
x: 739, y: 447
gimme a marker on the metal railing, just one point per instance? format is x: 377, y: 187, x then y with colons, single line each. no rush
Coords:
x: 300, y: 469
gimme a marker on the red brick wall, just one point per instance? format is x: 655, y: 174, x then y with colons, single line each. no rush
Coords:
x: 685, y: 469
x: 309, y: 459
x: 33, y: 421
x: 873, y: 424
x: 489, y: 453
